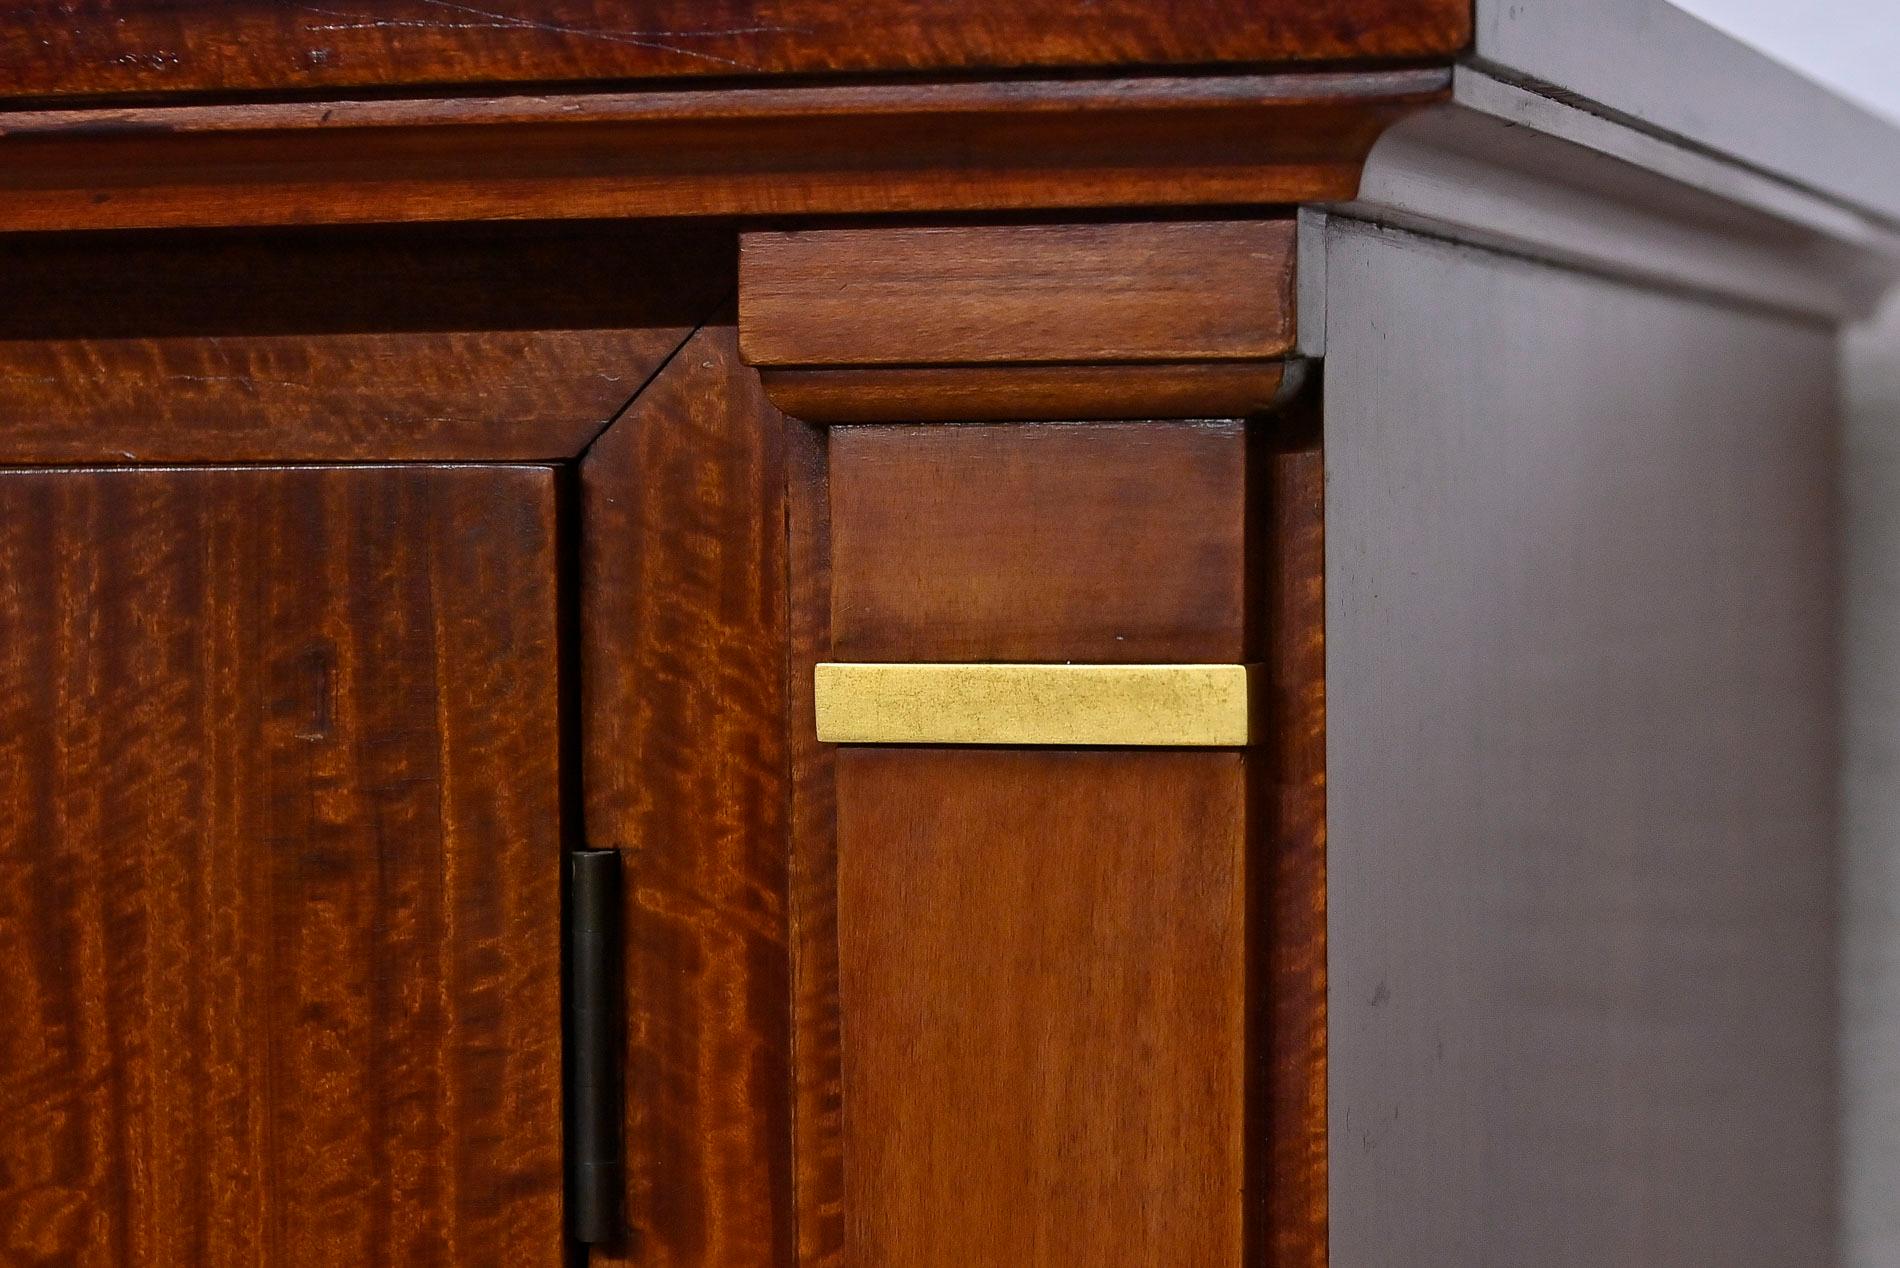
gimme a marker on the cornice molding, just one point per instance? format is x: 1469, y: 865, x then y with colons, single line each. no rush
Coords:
x: 1509, y: 169
x: 1131, y: 142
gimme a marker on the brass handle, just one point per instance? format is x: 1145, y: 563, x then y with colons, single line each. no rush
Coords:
x: 1206, y: 706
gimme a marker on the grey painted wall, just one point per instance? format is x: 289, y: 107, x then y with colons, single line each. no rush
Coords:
x: 1870, y: 875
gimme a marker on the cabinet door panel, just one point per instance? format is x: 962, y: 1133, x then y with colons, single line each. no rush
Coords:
x: 279, y: 867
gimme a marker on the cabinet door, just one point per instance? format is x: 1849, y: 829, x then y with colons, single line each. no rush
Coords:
x: 280, y: 867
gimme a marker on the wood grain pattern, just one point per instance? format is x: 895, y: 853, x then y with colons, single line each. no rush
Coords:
x: 906, y: 147
x: 474, y: 343
x: 1195, y: 290
x: 1042, y: 969
x: 150, y: 46
x: 1040, y: 974
x: 817, y: 1033
x: 279, y: 875
x: 1288, y: 1124
x: 1025, y: 393
x: 684, y: 636
x: 1040, y: 541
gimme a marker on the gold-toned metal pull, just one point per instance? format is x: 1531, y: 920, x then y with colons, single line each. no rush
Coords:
x: 1201, y: 706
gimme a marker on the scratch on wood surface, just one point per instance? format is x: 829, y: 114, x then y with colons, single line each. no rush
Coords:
x: 244, y: 380
x: 484, y: 19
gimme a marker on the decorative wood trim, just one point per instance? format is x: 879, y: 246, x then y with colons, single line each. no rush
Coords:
x: 1182, y: 290
x: 944, y: 544
x: 919, y: 147
x: 979, y: 394
x: 494, y: 343
x: 1140, y: 706
x: 818, y: 1152
x: 1288, y: 1165
x: 682, y: 582
x: 1021, y: 322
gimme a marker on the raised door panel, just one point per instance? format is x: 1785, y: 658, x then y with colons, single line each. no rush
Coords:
x: 280, y: 867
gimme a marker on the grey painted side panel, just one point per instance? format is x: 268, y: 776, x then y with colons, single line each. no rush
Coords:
x: 1650, y: 62
x: 1581, y: 766
x: 1870, y: 954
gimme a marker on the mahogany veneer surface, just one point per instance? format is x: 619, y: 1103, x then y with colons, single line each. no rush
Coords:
x: 1288, y: 806
x: 65, y: 47
x: 1039, y: 960
x: 1013, y: 393
x: 1039, y: 541
x: 1042, y: 974
x: 502, y: 343
x: 280, y: 867
x: 770, y: 150
x: 683, y: 631
x: 1182, y: 290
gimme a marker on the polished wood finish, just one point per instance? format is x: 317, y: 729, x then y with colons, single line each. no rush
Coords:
x: 1036, y: 1061
x: 1042, y: 974
x: 1026, y: 321
x: 1288, y: 805
x: 684, y: 614
x: 94, y: 47
x: 281, y: 746
x: 279, y: 872
x: 503, y: 343
x: 1109, y: 542
x: 1017, y: 393
x: 817, y: 1037
x: 1248, y: 139
x: 405, y: 396
x: 1194, y: 290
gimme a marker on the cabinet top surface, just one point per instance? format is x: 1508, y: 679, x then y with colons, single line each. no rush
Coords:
x: 69, y: 49
x: 1183, y: 74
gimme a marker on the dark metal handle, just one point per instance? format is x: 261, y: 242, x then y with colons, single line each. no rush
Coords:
x: 593, y: 1008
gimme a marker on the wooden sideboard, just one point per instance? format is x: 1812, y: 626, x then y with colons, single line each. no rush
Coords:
x: 919, y: 633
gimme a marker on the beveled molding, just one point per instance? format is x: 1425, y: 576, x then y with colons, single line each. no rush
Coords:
x: 1005, y: 393
x: 1022, y: 321
x: 750, y: 150
x: 1510, y: 169
x: 1128, y: 706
